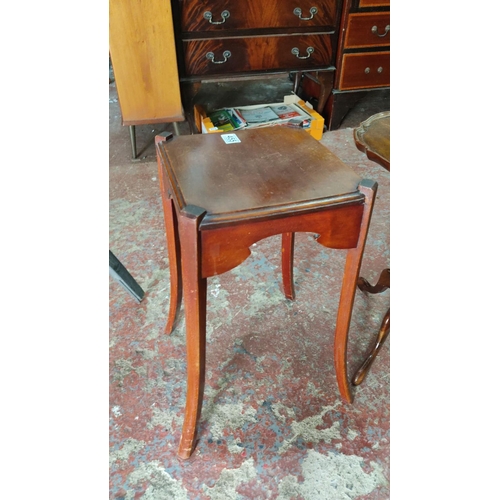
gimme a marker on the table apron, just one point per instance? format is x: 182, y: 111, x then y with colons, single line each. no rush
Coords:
x: 225, y: 248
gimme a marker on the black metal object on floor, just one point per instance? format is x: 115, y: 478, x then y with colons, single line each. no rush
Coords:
x: 122, y: 276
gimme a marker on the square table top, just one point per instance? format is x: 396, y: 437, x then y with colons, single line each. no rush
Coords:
x: 271, y: 170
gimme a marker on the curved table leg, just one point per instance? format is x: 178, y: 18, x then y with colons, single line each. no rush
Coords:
x: 195, y: 304
x: 174, y: 259
x: 348, y: 291
x: 287, y: 247
x: 383, y: 283
x: 382, y: 335
x: 174, y: 256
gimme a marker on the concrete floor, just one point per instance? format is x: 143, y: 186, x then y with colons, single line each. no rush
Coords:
x: 273, y: 425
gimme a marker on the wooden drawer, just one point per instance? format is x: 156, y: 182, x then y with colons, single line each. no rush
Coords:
x: 374, y: 3
x: 257, y: 54
x: 200, y: 16
x: 368, y: 70
x: 370, y: 29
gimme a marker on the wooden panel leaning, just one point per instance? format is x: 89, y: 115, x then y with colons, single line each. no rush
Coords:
x: 142, y: 48
x: 219, y: 198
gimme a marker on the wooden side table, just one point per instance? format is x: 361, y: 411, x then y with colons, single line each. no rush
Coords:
x: 373, y: 137
x: 219, y: 198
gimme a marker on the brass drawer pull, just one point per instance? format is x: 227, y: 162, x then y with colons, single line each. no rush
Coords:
x: 367, y: 70
x: 379, y: 70
x: 375, y: 31
x: 296, y: 52
x: 226, y: 54
x: 224, y: 14
x: 298, y: 13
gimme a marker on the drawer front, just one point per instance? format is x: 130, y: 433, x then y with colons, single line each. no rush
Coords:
x: 361, y: 71
x: 234, y: 55
x: 220, y: 15
x: 368, y: 30
x: 374, y: 3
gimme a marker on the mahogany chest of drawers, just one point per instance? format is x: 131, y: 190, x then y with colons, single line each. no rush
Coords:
x: 362, y: 59
x: 221, y: 38
x: 340, y: 45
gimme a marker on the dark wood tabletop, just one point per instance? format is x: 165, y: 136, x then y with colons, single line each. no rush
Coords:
x: 271, y: 170
x: 373, y: 137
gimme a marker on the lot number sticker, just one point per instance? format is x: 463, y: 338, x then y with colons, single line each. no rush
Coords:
x: 230, y: 138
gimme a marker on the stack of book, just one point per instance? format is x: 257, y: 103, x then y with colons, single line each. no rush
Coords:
x: 290, y: 115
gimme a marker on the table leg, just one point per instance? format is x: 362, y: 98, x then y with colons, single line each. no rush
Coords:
x: 347, y: 293
x: 133, y: 141
x: 287, y: 247
x: 172, y: 234
x: 195, y: 305
x: 382, y: 285
x: 382, y: 335
x: 174, y: 258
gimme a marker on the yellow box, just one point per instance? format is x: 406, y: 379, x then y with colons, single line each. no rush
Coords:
x: 205, y: 126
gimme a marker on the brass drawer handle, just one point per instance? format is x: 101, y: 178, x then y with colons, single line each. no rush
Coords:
x: 296, y: 52
x: 226, y: 54
x: 298, y: 13
x: 224, y: 14
x: 375, y: 31
x: 379, y: 70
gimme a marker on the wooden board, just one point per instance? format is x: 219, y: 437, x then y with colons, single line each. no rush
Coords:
x: 142, y: 48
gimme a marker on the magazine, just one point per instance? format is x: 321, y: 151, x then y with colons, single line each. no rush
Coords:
x: 258, y: 115
x: 284, y: 111
x: 229, y: 119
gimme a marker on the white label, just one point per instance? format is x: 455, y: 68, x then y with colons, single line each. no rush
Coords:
x: 230, y: 138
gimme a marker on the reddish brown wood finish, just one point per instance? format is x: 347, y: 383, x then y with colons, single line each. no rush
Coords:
x: 352, y: 267
x: 382, y: 285
x: 357, y: 39
x: 381, y: 336
x: 172, y: 246
x: 255, y: 14
x: 227, y: 247
x: 287, y: 250
x: 276, y: 181
x: 374, y: 3
x: 324, y: 81
x: 373, y: 137
x: 361, y: 71
x: 360, y: 33
x: 257, y: 53
x: 195, y: 304
x: 259, y: 35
